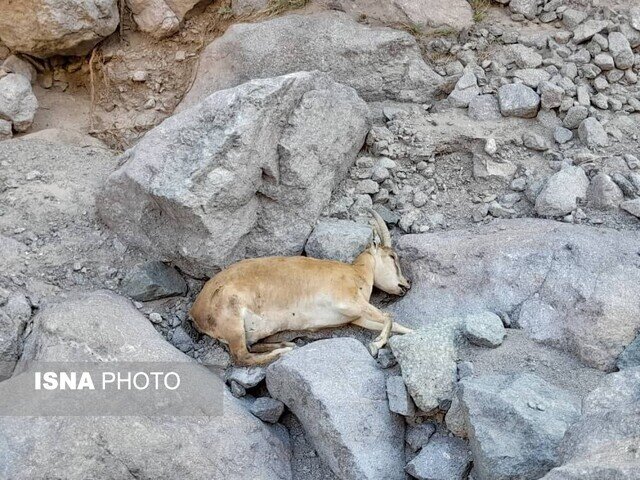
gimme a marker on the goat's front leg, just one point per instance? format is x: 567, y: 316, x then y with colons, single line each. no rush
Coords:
x: 371, y: 313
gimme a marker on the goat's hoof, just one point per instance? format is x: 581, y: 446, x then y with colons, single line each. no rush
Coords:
x: 373, y: 350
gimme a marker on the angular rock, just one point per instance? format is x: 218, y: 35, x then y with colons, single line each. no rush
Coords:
x: 532, y: 77
x: 340, y: 240
x: 592, y: 133
x: 621, y: 50
x: 588, y: 29
x: 212, y: 200
x: 632, y: 207
x: 418, y: 435
x: 44, y: 28
x: 484, y: 107
x: 379, y: 63
x: 603, y: 443
x: 550, y: 95
x: 99, y: 326
x: 153, y: 280
x: 484, y: 329
x: 517, y: 100
x: 580, y: 275
x: 427, y: 359
x: 535, y: 141
x: 267, y: 409
x: 575, y: 116
x: 466, y: 90
x: 248, y: 377
x: 525, y: 57
x: 444, y: 458
x: 561, y: 193
x: 515, y: 424
x: 13, y: 320
x: 562, y: 135
x: 630, y: 357
x: 160, y: 18
x: 18, y: 104
x: 603, y: 193
x: 571, y: 17
x: 338, y: 393
x: 399, y: 399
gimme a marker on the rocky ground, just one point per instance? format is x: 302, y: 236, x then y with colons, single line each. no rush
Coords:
x: 498, y: 140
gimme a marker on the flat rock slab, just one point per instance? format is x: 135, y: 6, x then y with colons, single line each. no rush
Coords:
x: 337, y: 391
x: 515, y: 424
x: 102, y: 326
x: 194, y: 191
x: 378, y: 62
x: 564, y: 285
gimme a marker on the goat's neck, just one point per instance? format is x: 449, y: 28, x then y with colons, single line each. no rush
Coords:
x: 364, y: 264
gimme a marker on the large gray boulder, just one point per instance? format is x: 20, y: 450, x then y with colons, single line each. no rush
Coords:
x: 427, y: 359
x: 338, y: 393
x: 44, y: 28
x: 101, y: 327
x: 561, y: 193
x: 515, y: 424
x: 566, y: 285
x: 246, y: 173
x: 604, y: 443
x: 379, y: 63
x: 18, y: 104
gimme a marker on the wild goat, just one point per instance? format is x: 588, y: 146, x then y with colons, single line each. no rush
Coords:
x: 253, y: 299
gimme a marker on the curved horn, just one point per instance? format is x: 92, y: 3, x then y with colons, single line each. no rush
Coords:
x: 381, y: 227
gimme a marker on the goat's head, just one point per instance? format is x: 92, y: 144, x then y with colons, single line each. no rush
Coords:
x: 387, y: 275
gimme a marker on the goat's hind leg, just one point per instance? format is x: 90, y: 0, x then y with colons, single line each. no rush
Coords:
x: 236, y: 337
x: 269, y: 347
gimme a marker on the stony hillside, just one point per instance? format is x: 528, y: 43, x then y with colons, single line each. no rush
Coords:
x: 147, y: 145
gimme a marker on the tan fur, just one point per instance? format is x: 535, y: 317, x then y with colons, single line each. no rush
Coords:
x: 253, y: 299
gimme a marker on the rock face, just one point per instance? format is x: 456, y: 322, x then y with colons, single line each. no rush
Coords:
x: 603, y: 444
x: 427, y: 359
x: 244, y: 174
x: 107, y: 326
x: 565, y: 285
x: 562, y: 192
x: 340, y: 240
x: 515, y: 424
x: 44, y: 28
x: 18, y: 104
x: 338, y: 393
x: 378, y: 62
x: 160, y: 18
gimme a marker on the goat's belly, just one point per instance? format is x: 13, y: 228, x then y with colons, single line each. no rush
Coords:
x: 273, y: 321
